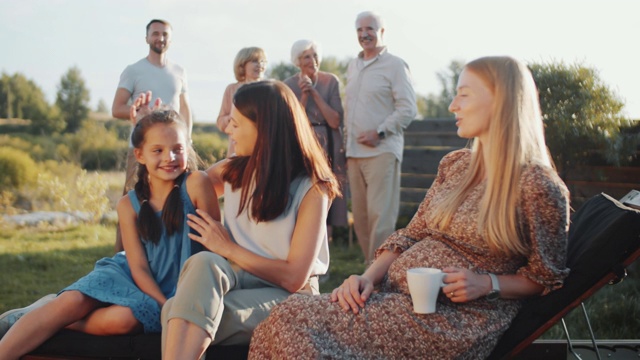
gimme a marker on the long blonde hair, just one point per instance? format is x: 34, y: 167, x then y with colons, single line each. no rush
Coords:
x: 516, y: 139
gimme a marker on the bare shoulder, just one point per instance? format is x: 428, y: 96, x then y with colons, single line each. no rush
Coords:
x: 198, y: 179
x: 124, y: 206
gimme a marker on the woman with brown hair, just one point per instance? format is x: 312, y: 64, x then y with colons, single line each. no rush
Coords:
x: 277, y: 190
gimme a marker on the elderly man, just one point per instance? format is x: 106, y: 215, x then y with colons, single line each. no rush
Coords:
x: 156, y: 75
x: 380, y: 103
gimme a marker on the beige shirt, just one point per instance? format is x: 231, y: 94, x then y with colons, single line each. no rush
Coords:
x: 378, y: 96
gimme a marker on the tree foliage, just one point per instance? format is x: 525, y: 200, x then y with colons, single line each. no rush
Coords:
x: 73, y: 99
x: 330, y: 64
x: 16, y: 168
x: 103, y: 108
x: 437, y: 105
x: 282, y: 71
x: 21, y: 98
x: 582, y: 115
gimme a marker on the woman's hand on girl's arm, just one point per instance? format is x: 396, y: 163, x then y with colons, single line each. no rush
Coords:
x: 355, y: 290
x: 213, y: 235
x: 290, y: 274
x: 134, y: 251
x: 464, y: 285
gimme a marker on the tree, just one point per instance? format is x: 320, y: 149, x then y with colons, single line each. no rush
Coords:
x: 22, y: 98
x: 102, y: 107
x: 282, y: 71
x: 73, y: 99
x: 338, y: 67
x: 582, y: 116
x: 437, y: 106
x: 330, y: 64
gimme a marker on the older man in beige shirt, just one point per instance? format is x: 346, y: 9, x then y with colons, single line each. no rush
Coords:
x: 380, y: 103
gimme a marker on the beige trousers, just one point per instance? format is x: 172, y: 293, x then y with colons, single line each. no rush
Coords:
x: 375, y: 199
x: 227, y: 304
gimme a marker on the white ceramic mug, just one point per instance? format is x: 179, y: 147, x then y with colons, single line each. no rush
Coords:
x: 424, y: 286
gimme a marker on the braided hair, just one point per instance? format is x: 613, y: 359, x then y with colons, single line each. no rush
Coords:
x: 148, y: 224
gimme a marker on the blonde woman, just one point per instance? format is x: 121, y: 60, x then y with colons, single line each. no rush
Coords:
x: 319, y: 93
x: 495, y: 221
x: 249, y: 66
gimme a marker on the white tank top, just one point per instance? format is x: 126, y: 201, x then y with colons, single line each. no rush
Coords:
x: 271, y: 239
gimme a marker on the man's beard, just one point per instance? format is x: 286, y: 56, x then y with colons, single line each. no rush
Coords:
x: 158, y: 50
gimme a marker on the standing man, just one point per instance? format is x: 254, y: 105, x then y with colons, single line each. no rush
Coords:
x: 155, y: 74
x: 380, y: 103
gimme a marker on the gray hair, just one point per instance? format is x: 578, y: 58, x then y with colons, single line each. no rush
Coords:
x: 301, y: 46
x: 370, y: 14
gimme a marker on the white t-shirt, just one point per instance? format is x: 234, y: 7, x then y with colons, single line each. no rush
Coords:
x: 167, y: 82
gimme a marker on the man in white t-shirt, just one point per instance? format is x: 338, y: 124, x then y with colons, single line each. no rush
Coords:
x: 155, y: 73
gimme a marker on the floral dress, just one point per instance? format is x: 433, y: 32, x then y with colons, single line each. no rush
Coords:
x: 111, y: 281
x: 387, y: 328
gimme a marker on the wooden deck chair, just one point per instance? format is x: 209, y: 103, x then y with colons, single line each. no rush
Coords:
x: 604, y: 238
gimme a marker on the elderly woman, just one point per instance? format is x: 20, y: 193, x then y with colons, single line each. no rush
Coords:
x: 249, y: 66
x: 319, y: 94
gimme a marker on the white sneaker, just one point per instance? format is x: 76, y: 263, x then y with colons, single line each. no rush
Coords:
x: 10, y: 317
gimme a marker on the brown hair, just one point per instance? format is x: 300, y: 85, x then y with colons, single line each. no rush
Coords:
x: 149, y: 226
x: 286, y: 148
x: 163, y: 22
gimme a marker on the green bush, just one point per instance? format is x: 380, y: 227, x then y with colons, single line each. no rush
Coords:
x: 104, y: 158
x: 17, y: 168
x: 67, y: 187
x: 39, y: 148
x: 583, y: 119
x: 210, y: 146
x: 121, y: 128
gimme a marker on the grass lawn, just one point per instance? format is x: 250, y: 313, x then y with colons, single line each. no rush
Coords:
x: 35, y: 262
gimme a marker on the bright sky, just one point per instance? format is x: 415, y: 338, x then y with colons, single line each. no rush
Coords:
x: 42, y: 39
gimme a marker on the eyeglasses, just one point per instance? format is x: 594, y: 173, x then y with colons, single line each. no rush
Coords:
x: 260, y: 62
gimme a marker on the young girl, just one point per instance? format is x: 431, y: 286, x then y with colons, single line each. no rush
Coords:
x: 124, y: 294
x: 277, y: 191
x: 495, y: 220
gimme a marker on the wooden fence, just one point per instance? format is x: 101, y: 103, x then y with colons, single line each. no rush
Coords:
x: 427, y: 141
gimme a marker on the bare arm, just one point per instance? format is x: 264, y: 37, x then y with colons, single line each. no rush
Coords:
x: 215, y: 175
x: 185, y: 112
x: 225, y: 108
x: 202, y: 194
x: 135, y: 253
x: 291, y: 273
x: 355, y: 290
x: 465, y: 285
x: 120, y: 108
